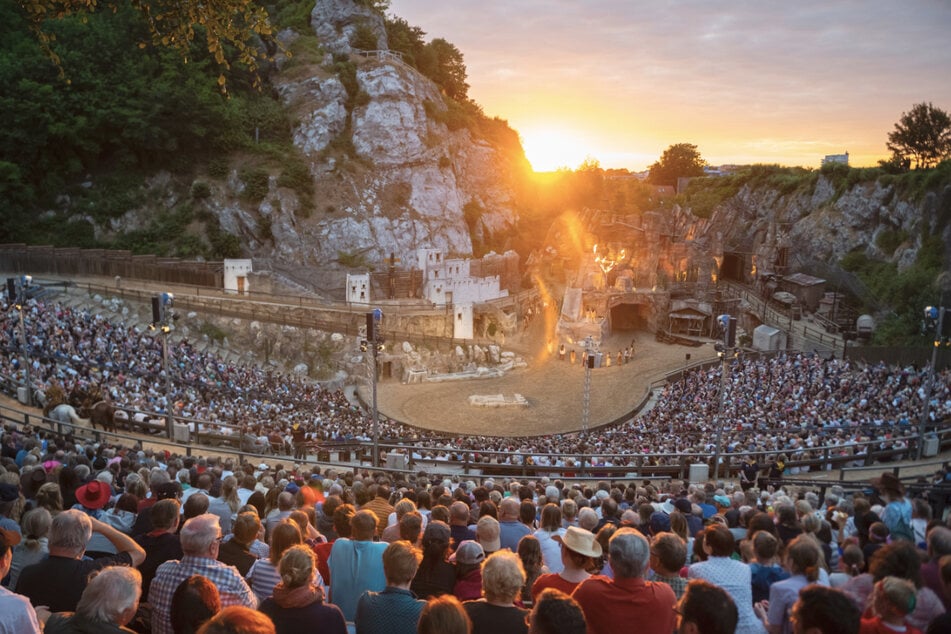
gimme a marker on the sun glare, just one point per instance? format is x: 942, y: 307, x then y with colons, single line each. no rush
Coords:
x: 549, y: 149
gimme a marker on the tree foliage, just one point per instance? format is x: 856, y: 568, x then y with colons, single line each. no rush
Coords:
x: 680, y: 159
x: 442, y: 62
x: 174, y: 24
x: 923, y: 134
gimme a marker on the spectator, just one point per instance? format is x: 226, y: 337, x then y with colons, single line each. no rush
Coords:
x: 58, y: 582
x: 18, y: 616
x: 444, y: 615
x: 238, y: 620
x: 897, y: 514
x: 356, y: 564
x: 200, y: 537
x: 342, y: 515
x: 942, y: 623
x: 237, y: 550
x: 459, y: 523
x: 34, y: 547
x: 296, y: 606
x: 496, y: 612
x: 892, y: 600
x: 765, y: 569
x: 487, y: 534
x: 668, y: 556
x: 803, y: 559
x: 263, y: 575
x: 194, y: 602
x: 731, y: 575
x: 510, y: 528
x: 549, y: 528
x: 435, y: 576
x: 939, y: 546
x: 579, y: 549
x: 162, y: 543
x: 706, y: 609
x: 851, y: 564
x: 822, y: 610
x: 555, y: 612
x: 381, y: 507
x: 396, y: 609
x: 627, y: 598
x: 108, y: 603
x: 468, y: 559
x: 530, y: 554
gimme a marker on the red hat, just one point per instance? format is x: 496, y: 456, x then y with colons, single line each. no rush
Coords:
x: 94, y: 495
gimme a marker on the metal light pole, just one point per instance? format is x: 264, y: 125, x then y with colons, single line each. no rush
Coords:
x: 926, y: 410
x: 23, y: 341
x: 374, y: 342
x: 727, y: 326
x: 162, y: 319
x: 586, y: 398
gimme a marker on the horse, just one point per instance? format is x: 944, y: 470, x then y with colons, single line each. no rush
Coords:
x: 103, y: 413
x: 67, y: 415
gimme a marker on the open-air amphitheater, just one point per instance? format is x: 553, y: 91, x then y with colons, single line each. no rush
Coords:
x: 656, y: 416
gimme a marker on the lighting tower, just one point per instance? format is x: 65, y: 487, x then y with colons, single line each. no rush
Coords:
x: 727, y: 328
x: 162, y: 316
x: 16, y: 289
x: 374, y: 342
x: 934, y: 319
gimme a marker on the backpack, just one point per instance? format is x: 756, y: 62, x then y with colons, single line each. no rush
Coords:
x: 901, y: 528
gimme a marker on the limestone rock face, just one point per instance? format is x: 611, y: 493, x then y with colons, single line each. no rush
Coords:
x: 337, y: 21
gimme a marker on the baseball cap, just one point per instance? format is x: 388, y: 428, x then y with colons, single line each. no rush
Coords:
x: 469, y: 552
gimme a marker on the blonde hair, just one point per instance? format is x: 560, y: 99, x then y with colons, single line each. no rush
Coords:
x: 297, y: 566
x: 401, y: 561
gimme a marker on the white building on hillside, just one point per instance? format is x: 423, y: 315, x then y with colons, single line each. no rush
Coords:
x: 450, y: 282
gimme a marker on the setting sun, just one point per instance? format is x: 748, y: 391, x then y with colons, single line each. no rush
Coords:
x: 549, y: 149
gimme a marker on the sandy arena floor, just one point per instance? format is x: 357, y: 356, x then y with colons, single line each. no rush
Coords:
x: 553, y: 388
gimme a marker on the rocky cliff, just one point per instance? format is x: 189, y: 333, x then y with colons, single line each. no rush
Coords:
x: 405, y: 181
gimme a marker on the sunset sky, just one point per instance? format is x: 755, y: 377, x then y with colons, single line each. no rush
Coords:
x: 754, y: 81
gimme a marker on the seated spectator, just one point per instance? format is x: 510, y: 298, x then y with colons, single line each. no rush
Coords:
x: 803, y: 560
x: 238, y: 620
x: 731, y: 575
x: 435, y: 576
x: 530, y: 554
x: 444, y: 615
x: 765, y: 569
x: 851, y: 564
x: 502, y: 580
x: 395, y: 609
x: 706, y: 609
x: 18, y: 615
x: 200, y: 538
x: 893, y: 599
x: 668, y: 556
x: 58, y: 582
x: 822, y: 610
x: 195, y: 601
x: 108, y: 603
x: 555, y: 612
x: 162, y: 543
x: 297, y: 606
x: 237, y: 550
x: 627, y: 597
x: 356, y: 564
x: 579, y: 549
x: 263, y: 574
x: 34, y: 547
x: 468, y: 559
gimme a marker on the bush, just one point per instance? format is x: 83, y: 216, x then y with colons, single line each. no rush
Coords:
x: 255, y: 182
x: 889, y: 240
x: 218, y: 167
x: 200, y: 190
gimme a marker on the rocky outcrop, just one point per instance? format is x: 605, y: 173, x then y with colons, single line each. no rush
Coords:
x: 336, y: 22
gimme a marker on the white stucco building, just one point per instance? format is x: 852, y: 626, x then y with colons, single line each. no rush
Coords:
x: 236, y: 276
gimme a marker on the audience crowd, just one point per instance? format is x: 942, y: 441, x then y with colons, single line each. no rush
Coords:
x: 110, y: 538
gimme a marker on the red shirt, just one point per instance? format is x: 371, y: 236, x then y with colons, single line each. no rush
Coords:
x: 606, y: 603
x: 552, y: 580
x: 875, y: 626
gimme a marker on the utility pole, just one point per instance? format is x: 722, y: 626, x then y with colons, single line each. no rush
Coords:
x: 17, y: 295
x: 162, y: 317
x: 374, y: 343
x: 727, y: 326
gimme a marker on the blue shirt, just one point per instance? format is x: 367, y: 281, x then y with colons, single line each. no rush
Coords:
x: 393, y: 611
x: 355, y: 567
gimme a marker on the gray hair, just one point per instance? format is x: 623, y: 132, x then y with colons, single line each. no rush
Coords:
x: 587, y: 518
x: 159, y: 476
x: 629, y: 553
x: 939, y: 541
x: 110, y: 594
x: 199, y: 533
x: 70, y: 531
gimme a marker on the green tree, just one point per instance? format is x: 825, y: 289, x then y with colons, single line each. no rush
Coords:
x: 174, y: 24
x: 680, y: 159
x: 406, y: 39
x: 923, y: 134
x: 442, y: 62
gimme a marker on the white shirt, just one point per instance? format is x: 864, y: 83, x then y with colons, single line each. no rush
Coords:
x: 18, y: 615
